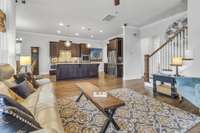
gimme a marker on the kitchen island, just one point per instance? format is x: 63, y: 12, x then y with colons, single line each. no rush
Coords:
x: 66, y: 71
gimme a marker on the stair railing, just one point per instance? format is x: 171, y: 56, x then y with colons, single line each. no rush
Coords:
x: 161, y: 59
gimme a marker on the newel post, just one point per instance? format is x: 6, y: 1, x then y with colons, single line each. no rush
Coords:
x: 146, y: 68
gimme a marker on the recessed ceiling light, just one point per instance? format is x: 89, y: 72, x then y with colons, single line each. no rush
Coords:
x: 76, y: 34
x: 101, y: 31
x: 61, y: 24
x: 92, y: 36
x: 83, y: 28
x: 58, y: 31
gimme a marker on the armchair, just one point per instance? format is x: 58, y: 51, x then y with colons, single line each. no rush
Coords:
x: 189, y: 88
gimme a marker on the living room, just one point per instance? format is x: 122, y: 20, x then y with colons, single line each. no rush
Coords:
x: 99, y: 66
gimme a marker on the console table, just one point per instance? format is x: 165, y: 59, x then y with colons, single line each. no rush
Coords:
x: 164, y: 79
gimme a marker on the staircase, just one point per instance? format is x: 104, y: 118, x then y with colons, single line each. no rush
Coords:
x: 161, y: 59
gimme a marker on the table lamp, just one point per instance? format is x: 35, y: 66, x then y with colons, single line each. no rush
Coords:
x: 177, y: 62
x: 25, y: 61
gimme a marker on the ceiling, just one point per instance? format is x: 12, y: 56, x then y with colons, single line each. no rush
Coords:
x: 44, y: 16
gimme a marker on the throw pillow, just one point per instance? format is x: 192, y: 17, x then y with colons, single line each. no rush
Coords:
x: 23, y: 89
x: 26, y: 76
x: 7, y: 101
x: 20, y: 77
x: 15, y: 121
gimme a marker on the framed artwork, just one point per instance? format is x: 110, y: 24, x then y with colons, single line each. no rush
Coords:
x: 96, y: 54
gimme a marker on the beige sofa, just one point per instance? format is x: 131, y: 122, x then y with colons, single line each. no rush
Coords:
x: 41, y: 103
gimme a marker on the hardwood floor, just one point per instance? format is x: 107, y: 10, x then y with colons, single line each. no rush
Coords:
x: 105, y: 82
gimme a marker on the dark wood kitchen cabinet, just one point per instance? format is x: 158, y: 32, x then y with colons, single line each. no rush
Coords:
x: 61, y: 46
x: 75, y: 50
x: 84, y: 49
x: 116, y: 44
x: 53, y: 50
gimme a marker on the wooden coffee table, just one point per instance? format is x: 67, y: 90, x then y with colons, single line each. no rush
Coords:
x: 107, y: 105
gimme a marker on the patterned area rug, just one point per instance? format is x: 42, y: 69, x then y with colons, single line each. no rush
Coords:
x: 141, y: 114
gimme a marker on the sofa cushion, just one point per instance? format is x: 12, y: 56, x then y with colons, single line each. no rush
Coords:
x: 46, y: 106
x: 31, y: 101
x: 15, y: 121
x: 23, y: 89
x: 43, y: 81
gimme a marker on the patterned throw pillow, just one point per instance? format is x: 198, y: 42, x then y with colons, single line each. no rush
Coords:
x: 23, y: 89
x: 7, y: 101
x: 15, y: 121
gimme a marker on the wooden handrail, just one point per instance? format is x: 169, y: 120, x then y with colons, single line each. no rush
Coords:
x: 170, y: 39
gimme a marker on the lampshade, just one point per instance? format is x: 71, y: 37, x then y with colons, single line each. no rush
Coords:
x: 177, y: 61
x: 25, y: 60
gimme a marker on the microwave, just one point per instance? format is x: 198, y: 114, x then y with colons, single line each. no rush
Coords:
x: 85, y: 58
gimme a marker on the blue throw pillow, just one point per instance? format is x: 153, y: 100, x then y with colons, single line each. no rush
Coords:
x: 23, y: 89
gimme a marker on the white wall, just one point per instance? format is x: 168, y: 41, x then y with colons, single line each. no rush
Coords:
x: 7, y: 39
x: 158, y: 29
x: 132, y: 53
x: 42, y: 41
x: 194, y: 37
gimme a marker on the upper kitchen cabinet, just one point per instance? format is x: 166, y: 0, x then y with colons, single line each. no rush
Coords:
x: 53, y: 50
x: 75, y: 50
x: 113, y: 44
x: 116, y: 44
x: 84, y: 49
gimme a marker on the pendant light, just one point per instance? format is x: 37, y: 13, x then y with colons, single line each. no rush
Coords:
x: 68, y: 43
x: 88, y: 45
